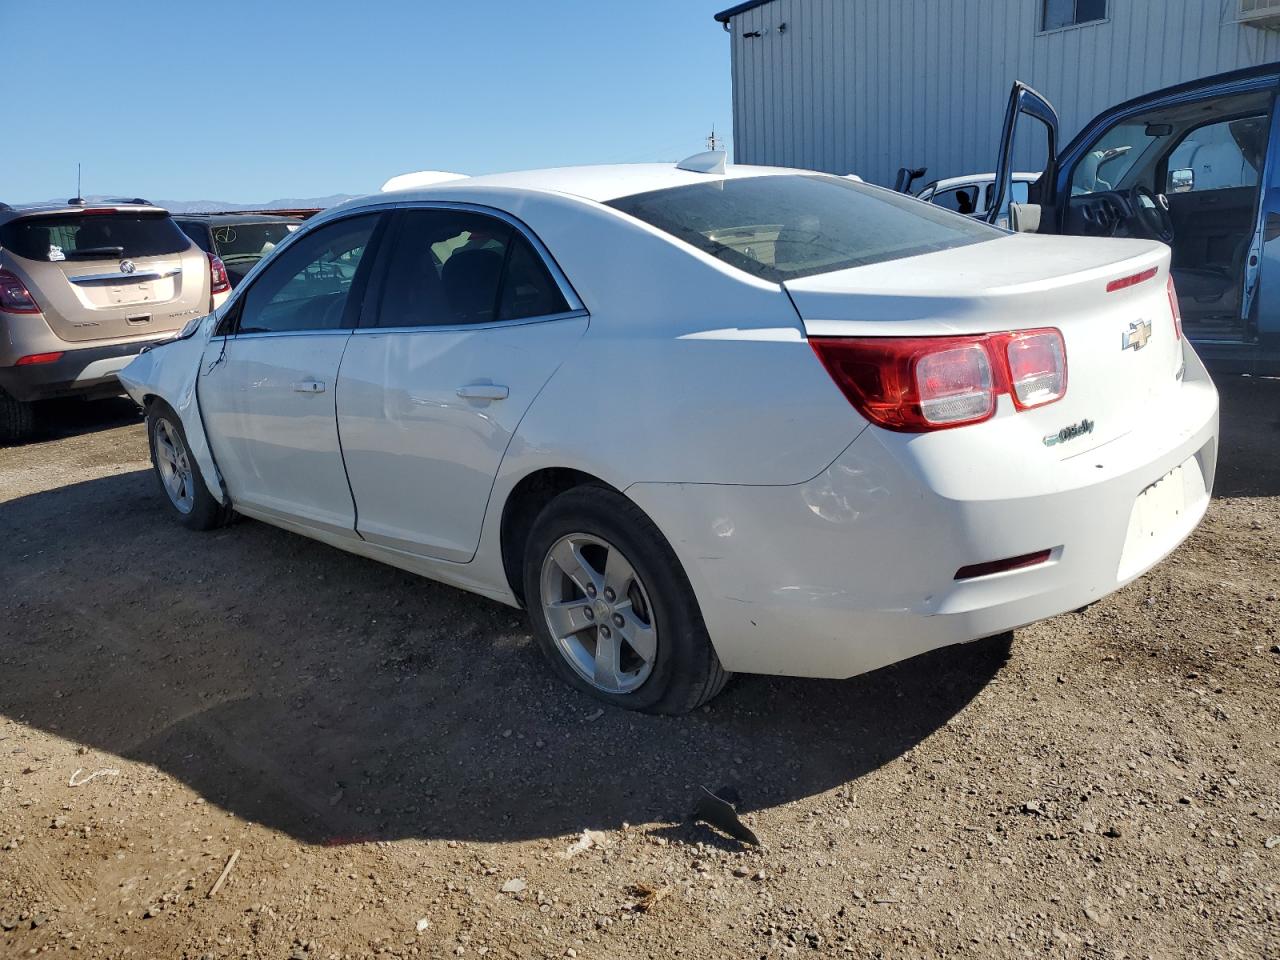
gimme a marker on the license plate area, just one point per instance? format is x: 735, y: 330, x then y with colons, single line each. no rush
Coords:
x: 1162, y: 515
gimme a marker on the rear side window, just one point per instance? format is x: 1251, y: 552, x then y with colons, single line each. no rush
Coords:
x: 794, y: 225
x: 455, y: 267
x: 93, y: 236
x: 198, y: 233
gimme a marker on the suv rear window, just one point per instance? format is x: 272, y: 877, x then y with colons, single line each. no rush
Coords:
x: 796, y: 225
x: 93, y: 236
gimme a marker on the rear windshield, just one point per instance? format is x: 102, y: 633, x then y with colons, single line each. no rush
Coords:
x: 93, y: 236
x: 250, y: 240
x: 796, y: 225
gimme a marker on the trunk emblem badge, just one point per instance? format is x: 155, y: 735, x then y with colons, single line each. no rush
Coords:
x: 127, y: 266
x: 1137, y: 336
x: 1083, y: 428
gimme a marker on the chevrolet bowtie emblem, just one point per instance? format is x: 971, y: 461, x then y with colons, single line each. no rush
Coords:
x: 1137, y: 336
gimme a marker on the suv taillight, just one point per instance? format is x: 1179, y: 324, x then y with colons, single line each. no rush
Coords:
x: 219, y: 282
x: 1175, y: 308
x: 917, y: 384
x: 14, y: 295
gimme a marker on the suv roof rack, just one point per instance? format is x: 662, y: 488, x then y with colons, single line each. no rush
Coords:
x: 146, y: 203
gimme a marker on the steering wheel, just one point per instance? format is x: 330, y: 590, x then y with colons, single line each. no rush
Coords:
x: 1149, y: 217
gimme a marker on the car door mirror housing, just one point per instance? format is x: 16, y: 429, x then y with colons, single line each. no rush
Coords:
x: 1024, y: 217
x: 1182, y: 181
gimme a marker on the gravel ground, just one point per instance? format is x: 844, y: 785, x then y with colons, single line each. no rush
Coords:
x: 400, y: 776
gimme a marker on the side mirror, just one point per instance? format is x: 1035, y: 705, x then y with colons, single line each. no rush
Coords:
x: 1024, y: 217
x: 1182, y: 181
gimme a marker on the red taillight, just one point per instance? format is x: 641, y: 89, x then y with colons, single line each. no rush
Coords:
x: 1037, y: 367
x: 1125, y: 282
x: 14, y: 295
x: 1175, y: 308
x: 915, y: 384
x: 34, y: 358
x: 219, y: 282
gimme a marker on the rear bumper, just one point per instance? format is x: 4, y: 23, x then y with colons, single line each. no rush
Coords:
x: 856, y: 568
x: 81, y: 371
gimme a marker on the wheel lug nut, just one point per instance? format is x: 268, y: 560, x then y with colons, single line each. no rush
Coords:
x: 609, y: 594
x: 617, y: 620
x: 589, y: 613
x: 605, y: 632
x: 591, y: 591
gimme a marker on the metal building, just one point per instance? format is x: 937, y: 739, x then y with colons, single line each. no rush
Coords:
x: 868, y: 86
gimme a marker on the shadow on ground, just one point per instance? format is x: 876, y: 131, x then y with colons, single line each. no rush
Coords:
x: 57, y: 419
x: 1249, y: 451
x: 338, y: 700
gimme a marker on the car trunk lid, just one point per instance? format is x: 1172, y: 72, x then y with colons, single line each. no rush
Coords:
x: 1121, y: 348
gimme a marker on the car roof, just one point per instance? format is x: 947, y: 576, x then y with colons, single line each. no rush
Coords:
x: 601, y: 183
x: 231, y: 219
x: 18, y: 211
x: 950, y: 182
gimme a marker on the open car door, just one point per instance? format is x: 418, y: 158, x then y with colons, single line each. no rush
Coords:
x: 1024, y: 101
x: 1195, y: 166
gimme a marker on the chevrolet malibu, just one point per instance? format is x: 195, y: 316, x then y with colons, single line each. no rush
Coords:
x: 700, y: 419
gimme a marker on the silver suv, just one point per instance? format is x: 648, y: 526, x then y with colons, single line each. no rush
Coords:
x: 84, y: 286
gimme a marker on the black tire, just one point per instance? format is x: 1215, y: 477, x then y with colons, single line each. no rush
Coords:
x: 17, y: 419
x: 685, y: 671
x: 206, y: 513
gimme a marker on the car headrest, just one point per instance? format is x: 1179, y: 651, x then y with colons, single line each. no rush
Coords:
x: 471, y: 283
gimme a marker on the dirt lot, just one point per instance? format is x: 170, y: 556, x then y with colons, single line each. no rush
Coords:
x: 389, y: 755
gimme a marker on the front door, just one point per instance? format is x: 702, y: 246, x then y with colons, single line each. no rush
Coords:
x: 470, y: 323
x: 268, y: 383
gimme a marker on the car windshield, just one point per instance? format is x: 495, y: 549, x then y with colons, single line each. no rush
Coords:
x: 251, y: 241
x: 93, y: 236
x: 787, y: 226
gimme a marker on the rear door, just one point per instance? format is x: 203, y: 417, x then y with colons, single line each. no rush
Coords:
x: 101, y: 274
x: 268, y: 381
x: 467, y: 323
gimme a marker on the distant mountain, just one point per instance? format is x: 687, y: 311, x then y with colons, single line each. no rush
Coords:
x: 209, y: 206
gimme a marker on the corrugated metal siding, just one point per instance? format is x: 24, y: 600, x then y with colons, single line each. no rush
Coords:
x: 868, y: 86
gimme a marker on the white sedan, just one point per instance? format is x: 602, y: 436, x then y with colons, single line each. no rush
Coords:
x: 700, y: 420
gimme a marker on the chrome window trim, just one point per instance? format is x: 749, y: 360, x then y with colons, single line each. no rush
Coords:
x: 320, y: 220
x: 159, y: 273
x: 566, y: 288
x: 466, y: 327
x: 265, y: 334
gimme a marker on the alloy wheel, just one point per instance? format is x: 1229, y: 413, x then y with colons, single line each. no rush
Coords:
x: 599, y: 613
x: 174, y: 465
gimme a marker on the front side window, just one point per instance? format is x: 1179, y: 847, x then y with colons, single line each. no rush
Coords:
x: 1020, y: 193
x: 1068, y: 13
x: 961, y: 200
x: 93, y: 236
x: 456, y: 267
x: 788, y: 226
x: 307, y: 286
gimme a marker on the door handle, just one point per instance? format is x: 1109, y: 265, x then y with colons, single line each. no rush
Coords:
x: 484, y: 391
x: 308, y: 386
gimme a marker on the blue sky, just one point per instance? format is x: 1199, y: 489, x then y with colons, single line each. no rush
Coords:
x: 253, y: 101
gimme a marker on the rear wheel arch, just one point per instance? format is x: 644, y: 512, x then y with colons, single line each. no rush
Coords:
x: 523, y: 504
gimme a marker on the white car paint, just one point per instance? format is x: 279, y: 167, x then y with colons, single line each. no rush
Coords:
x: 817, y: 544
